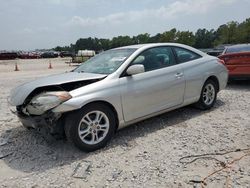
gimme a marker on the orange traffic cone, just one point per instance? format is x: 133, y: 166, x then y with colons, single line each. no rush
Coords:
x: 50, y: 66
x: 16, y: 68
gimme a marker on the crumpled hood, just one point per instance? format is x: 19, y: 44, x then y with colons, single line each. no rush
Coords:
x: 20, y: 93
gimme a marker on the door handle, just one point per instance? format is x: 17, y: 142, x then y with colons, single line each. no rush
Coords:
x: 179, y: 75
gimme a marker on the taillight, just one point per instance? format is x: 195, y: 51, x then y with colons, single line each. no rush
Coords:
x: 222, y: 61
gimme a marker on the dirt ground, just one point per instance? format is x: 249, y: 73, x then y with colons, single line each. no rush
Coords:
x: 147, y: 154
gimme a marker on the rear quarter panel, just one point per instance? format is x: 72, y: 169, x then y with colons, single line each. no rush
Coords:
x: 197, y: 72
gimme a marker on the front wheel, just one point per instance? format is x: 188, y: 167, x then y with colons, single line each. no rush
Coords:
x: 91, y: 127
x: 208, y: 95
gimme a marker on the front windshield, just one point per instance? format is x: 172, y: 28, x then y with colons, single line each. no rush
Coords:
x: 106, y: 62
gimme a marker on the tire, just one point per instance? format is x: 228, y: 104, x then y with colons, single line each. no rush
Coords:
x: 94, y: 122
x: 210, y: 90
x: 27, y: 127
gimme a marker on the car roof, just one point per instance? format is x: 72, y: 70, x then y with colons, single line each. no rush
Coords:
x: 151, y: 45
x: 137, y: 46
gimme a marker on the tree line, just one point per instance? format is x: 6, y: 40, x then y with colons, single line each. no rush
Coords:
x: 230, y: 33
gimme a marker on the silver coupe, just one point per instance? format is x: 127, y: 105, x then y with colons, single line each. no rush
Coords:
x: 117, y: 88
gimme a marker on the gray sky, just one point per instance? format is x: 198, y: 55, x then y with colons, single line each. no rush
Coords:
x: 32, y: 24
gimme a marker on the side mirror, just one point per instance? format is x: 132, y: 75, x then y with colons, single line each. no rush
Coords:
x: 135, y: 69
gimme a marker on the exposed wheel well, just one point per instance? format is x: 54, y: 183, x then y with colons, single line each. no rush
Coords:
x: 110, y: 106
x: 215, y: 79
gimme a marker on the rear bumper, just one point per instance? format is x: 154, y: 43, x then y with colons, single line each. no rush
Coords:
x: 239, y: 76
x: 223, y: 78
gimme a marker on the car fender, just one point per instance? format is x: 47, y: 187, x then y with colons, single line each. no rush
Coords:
x: 79, y: 102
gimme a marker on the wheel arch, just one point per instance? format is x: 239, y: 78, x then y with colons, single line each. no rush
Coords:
x: 216, y: 80
x: 109, y: 105
x: 200, y: 103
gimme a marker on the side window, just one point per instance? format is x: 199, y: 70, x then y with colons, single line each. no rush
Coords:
x: 156, y: 58
x: 184, y: 55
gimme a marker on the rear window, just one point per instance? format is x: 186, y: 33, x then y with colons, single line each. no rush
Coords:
x: 184, y: 55
x: 238, y: 49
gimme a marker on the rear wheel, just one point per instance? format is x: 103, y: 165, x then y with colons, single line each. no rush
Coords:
x: 208, y: 95
x: 91, y: 127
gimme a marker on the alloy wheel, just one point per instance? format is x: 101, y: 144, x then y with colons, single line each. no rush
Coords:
x: 93, y: 127
x: 208, y: 94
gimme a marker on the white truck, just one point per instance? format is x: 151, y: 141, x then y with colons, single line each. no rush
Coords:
x: 83, y: 55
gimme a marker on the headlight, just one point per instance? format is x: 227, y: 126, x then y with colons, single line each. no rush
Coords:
x: 46, y: 101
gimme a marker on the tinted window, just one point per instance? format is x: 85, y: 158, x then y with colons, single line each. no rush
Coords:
x: 245, y: 48
x: 156, y: 58
x: 184, y: 55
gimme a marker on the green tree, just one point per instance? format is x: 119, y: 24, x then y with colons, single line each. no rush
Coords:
x: 230, y: 33
x: 155, y: 39
x: 105, y: 44
x: 141, y: 38
x: 227, y: 34
x: 204, y: 38
x: 168, y: 36
x: 185, y: 37
x: 243, y: 32
x: 121, y: 41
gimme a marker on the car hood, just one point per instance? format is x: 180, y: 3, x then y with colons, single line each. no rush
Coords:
x: 20, y: 93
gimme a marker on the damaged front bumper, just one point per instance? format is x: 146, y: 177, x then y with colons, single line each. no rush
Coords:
x: 37, y: 112
x: 48, y: 120
x: 47, y: 123
x: 32, y: 122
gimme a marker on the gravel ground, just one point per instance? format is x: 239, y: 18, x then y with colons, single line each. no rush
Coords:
x: 146, y: 154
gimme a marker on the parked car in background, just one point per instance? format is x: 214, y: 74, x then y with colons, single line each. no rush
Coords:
x: 50, y: 54
x: 8, y: 55
x: 66, y: 54
x: 28, y: 55
x: 218, y: 50
x: 237, y: 60
x: 117, y: 88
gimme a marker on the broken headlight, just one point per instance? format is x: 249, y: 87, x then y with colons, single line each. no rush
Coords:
x: 46, y: 101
